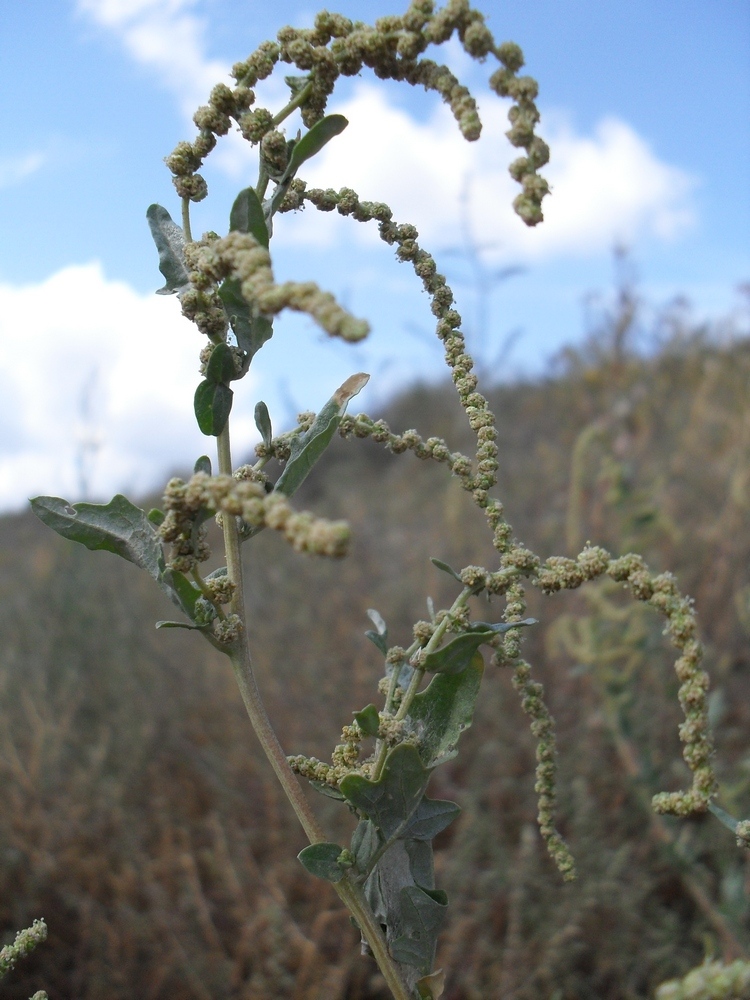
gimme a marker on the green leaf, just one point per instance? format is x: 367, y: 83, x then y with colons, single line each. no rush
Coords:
x: 213, y: 403
x: 431, y: 817
x: 378, y: 640
x: 431, y: 987
x: 365, y: 842
x: 422, y: 915
x: 247, y: 216
x: 321, y: 860
x: 456, y: 655
x: 330, y: 791
x: 368, y: 720
x: 251, y: 331
x: 308, y: 447
x: 313, y: 141
x: 156, y: 516
x: 186, y: 591
x: 203, y: 464
x: 220, y: 366
x: 170, y: 242
x: 263, y: 423
x: 179, y: 625
x: 391, y: 801
x: 446, y: 709
x: 446, y: 568
x: 118, y: 526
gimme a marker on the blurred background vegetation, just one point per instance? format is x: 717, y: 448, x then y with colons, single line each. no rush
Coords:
x: 139, y: 818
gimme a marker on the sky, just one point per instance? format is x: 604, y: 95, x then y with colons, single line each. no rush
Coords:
x: 645, y: 107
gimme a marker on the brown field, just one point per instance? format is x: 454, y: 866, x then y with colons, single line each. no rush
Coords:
x: 139, y: 818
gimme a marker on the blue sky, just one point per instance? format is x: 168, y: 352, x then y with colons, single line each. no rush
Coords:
x: 645, y: 106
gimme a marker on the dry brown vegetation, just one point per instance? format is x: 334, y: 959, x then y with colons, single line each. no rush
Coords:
x: 138, y: 817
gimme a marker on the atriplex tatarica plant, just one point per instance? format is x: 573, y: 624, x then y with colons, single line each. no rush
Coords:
x: 381, y: 768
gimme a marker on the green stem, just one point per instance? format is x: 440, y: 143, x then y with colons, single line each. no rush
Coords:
x: 295, y: 103
x: 350, y: 894
x: 186, y: 220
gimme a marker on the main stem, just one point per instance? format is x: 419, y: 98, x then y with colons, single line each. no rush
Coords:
x: 349, y: 893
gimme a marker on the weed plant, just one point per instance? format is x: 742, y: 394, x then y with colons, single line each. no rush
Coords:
x: 380, y: 769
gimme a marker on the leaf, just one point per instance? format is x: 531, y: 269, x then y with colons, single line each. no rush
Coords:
x: 118, y: 526
x: 213, y: 403
x: 378, y: 640
x: 422, y: 916
x: 156, y: 516
x: 365, y: 842
x: 391, y: 800
x: 321, y: 860
x: 186, y: 591
x: 431, y: 987
x: 247, y: 216
x: 432, y: 816
x: 377, y: 620
x: 170, y: 242
x: 251, y: 331
x: 220, y: 367
x: 456, y: 654
x: 446, y: 569
x: 179, y: 625
x: 313, y: 141
x: 203, y: 464
x: 330, y: 791
x: 263, y: 423
x: 308, y: 447
x: 368, y: 720
x: 445, y: 709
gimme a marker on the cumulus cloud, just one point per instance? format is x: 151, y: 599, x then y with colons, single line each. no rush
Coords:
x: 167, y: 38
x: 93, y: 372
x: 607, y: 187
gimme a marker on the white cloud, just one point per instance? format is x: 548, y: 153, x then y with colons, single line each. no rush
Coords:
x: 166, y: 37
x: 89, y: 364
x: 14, y: 169
x: 607, y: 187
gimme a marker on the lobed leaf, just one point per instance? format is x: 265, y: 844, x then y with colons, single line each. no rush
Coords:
x: 445, y: 709
x: 455, y: 655
x: 422, y: 915
x: 365, y: 842
x: 251, y: 331
x: 203, y: 464
x: 170, y: 242
x: 431, y: 817
x: 118, y: 526
x: 308, y: 447
x: 390, y: 801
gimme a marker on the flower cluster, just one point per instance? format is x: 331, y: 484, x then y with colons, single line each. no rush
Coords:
x: 393, y: 48
x: 188, y: 504
x: 239, y: 255
x: 661, y: 593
